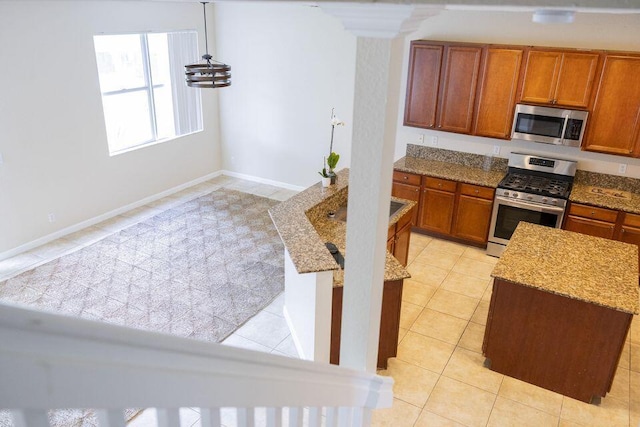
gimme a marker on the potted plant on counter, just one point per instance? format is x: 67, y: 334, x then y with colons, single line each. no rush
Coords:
x: 326, y: 178
x: 332, y: 160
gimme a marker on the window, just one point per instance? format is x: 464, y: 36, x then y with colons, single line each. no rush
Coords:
x: 144, y: 96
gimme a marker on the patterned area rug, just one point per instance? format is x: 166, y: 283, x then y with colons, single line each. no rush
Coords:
x: 198, y: 270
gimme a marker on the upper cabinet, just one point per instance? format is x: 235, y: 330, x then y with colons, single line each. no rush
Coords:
x: 497, y: 92
x: 559, y: 78
x: 614, y: 123
x: 422, y: 85
x: 441, y: 86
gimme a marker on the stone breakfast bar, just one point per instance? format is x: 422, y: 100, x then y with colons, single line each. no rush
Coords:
x: 314, y: 279
x: 560, y: 310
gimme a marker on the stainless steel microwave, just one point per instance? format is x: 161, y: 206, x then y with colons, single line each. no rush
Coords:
x: 549, y: 125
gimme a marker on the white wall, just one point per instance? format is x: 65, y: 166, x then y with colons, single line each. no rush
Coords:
x: 52, y: 134
x: 597, y: 31
x: 291, y: 63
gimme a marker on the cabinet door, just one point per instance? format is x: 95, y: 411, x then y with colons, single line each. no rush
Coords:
x: 437, y: 211
x: 588, y: 226
x: 422, y: 85
x: 614, y: 124
x: 408, y: 192
x: 401, y: 247
x: 559, y: 78
x: 458, y: 91
x: 473, y: 217
x: 540, y: 76
x: 575, y: 80
x: 497, y: 93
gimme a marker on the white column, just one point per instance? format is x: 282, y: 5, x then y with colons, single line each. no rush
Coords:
x: 370, y: 175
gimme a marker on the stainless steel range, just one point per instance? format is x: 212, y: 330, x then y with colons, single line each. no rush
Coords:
x: 536, y: 190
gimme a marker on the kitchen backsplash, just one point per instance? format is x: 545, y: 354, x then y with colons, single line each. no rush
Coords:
x: 449, y: 156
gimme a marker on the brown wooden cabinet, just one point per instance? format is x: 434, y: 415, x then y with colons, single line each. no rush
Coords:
x: 399, y: 237
x: 458, y: 89
x: 407, y: 186
x: 497, y: 92
x: 441, y: 86
x: 449, y: 209
x: 389, y: 323
x: 437, y: 204
x: 473, y: 213
x: 591, y: 220
x: 559, y: 78
x: 614, y: 123
x: 422, y: 85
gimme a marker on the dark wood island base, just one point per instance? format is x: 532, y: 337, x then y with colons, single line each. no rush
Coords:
x: 562, y: 344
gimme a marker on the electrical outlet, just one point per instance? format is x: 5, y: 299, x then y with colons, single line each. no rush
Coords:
x: 496, y: 149
x: 421, y: 139
x: 51, y: 217
x: 434, y: 141
x: 622, y: 168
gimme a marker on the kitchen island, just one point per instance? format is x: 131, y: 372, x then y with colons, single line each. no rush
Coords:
x: 314, y: 279
x: 561, y: 308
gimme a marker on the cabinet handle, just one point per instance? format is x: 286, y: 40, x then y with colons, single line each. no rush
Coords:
x: 439, y: 185
x: 476, y: 191
x: 593, y: 213
x: 405, y: 177
x: 431, y: 125
x: 439, y: 126
x: 622, y: 231
x: 417, y: 189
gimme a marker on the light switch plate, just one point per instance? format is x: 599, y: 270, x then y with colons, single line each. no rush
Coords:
x: 622, y: 168
x: 434, y: 141
x: 496, y: 149
x: 421, y: 138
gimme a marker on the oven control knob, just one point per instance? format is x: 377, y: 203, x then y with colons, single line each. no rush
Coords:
x: 545, y: 200
x: 529, y: 197
x: 515, y: 195
x: 506, y: 193
x: 554, y: 202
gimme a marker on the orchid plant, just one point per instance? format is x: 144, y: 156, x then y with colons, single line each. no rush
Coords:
x: 332, y: 159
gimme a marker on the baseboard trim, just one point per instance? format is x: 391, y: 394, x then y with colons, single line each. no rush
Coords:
x: 263, y: 180
x: 103, y: 217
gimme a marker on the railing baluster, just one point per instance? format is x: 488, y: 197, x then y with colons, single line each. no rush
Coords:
x: 332, y: 416
x: 315, y: 416
x: 210, y: 417
x: 111, y: 418
x: 361, y: 417
x: 246, y: 417
x: 295, y: 417
x: 344, y: 416
x: 168, y: 417
x: 30, y: 418
x: 274, y: 417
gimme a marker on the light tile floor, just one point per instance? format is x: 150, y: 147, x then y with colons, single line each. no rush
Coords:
x: 439, y: 375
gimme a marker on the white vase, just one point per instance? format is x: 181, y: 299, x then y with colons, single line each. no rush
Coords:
x: 326, y: 181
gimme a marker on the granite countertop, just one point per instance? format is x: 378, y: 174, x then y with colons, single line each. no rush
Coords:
x: 586, y: 268
x: 582, y: 193
x: 304, y: 228
x: 448, y: 170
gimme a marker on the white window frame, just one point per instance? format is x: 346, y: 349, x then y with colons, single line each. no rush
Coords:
x: 184, y: 117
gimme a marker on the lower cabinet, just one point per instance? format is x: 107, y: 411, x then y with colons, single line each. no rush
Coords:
x: 389, y: 323
x: 449, y: 209
x: 601, y: 222
x: 473, y: 215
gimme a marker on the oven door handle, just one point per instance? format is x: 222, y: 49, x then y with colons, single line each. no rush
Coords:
x: 532, y: 206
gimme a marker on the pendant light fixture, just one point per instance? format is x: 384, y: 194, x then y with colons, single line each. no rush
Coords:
x: 210, y: 74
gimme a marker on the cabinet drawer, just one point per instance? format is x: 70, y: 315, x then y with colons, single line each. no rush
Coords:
x: 407, y: 178
x: 631, y: 220
x: 586, y: 211
x: 477, y: 191
x: 440, y: 184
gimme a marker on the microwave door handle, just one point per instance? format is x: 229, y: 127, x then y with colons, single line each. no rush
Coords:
x: 564, y: 128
